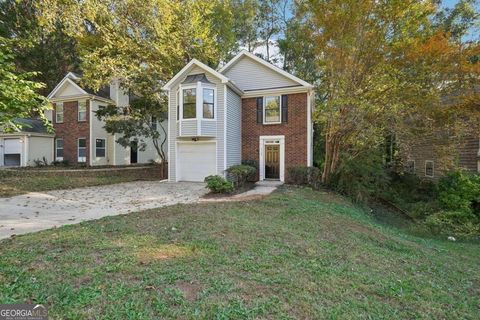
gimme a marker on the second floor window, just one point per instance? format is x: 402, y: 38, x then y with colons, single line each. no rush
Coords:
x: 208, y: 104
x: 82, y: 111
x: 189, y: 103
x: 272, y: 109
x: 59, y: 112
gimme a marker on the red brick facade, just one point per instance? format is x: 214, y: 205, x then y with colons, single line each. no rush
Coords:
x: 295, y: 131
x: 71, y: 130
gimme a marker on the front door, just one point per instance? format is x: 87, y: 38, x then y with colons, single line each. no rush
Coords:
x: 272, y: 161
x: 133, y: 152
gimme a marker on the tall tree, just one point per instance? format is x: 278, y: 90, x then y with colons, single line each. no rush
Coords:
x: 143, y: 44
x: 49, y: 53
x: 382, y: 68
x: 19, y: 96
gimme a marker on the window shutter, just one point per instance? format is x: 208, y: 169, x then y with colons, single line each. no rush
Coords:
x: 284, y: 108
x: 260, y: 110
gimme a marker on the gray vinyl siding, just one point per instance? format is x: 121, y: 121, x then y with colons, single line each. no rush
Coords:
x: 248, y: 74
x: 234, y: 128
x: 215, y: 130
x: 189, y: 128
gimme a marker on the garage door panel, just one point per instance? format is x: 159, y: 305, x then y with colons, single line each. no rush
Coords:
x: 196, y: 161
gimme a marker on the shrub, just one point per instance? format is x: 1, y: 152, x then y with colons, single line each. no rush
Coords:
x: 63, y: 163
x: 460, y: 191
x: 459, y: 223
x: 218, y: 184
x: 304, y: 176
x: 40, y: 162
x: 240, y: 174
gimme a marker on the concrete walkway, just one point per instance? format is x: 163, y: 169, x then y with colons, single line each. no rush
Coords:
x: 261, y: 189
x: 38, y: 211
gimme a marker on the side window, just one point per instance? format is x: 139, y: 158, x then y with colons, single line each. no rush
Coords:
x: 208, y: 104
x: 429, y: 169
x: 410, y: 166
x: 82, y: 150
x: 59, y: 112
x: 189, y: 103
x: 82, y: 111
x: 100, y: 148
x: 59, y: 149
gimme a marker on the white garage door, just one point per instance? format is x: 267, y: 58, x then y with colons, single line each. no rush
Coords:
x: 196, y: 161
x: 12, y: 150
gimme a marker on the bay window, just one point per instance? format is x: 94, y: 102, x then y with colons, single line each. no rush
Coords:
x: 198, y: 102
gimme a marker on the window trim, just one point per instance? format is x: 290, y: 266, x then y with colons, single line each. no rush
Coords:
x: 198, y: 101
x: 213, y: 104
x: 78, y: 110
x: 57, y: 104
x: 104, y: 148
x: 279, y: 107
x: 57, y: 158
x: 78, y: 150
x: 433, y: 168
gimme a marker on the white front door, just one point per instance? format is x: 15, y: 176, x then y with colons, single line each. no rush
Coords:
x: 196, y: 160
x: 272, y: 147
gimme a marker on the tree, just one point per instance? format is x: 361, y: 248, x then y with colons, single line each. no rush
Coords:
x: 142, y: 44
x: 19, y: 96
x: 49, y: 53
x: 383, y: 69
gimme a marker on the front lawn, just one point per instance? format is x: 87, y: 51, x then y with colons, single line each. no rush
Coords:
x: 23, y: 181
x: 296, y: 254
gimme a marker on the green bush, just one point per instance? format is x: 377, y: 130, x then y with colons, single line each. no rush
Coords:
x: 460, y: 191
x: 240, y: 174
x: 218, y: 184
x: 458, y: 223
x: 304, y: 176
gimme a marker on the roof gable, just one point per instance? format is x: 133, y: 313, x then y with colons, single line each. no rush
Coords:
x: 185, y: 71
x: 250, y: 72
x: 67, y: 87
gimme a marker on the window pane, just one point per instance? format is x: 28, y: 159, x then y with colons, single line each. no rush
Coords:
x: 59, y: 112
x: 272, y: 109
x: 100, y: 143
x: 208, y: 111
x: 59, y: 153
x: 208, y: 96
x: 189, y: 96
x: 82, y: 152
x: 82, y: 143
x: 59, y: 143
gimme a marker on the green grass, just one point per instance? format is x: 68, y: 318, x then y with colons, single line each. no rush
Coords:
x: 296, y: 254
x: 15, y: 183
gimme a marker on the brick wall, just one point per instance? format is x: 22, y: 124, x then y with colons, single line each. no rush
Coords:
x: 71, y: 130
x: 295, y: 131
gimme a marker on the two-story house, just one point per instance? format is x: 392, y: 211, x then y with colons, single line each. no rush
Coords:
x: 249, y: 110
x: 80, y: 137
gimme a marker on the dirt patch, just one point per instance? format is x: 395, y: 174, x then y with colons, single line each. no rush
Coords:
x: 162, y: 252
x: 82, y: 281
x: 190, y: 290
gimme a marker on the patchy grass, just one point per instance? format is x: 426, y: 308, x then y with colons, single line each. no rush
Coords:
x: 296, y: 254
x: 15, y: 183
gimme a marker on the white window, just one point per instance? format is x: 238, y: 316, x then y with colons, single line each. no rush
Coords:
x: 189, y: 103
x: 59, y: 149
x: 59, y: 112
x: 429, y: 169
x: 154, y: 123
x: 100, y: 148
x: 208, y: 104
x: 82, y: 111
x: 82, y: 150
x: 410, y: 166
x: 271, y: 110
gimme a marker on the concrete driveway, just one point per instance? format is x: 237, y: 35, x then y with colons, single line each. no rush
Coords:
x: 38, y: 211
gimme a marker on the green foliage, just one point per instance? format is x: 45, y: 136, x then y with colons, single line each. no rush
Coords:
x: 459, y: 191
x: 19, y: 96
x: 459, y: 223
x: 218, y: 184
x: 361, y: 178
x: 240, y: 174
x: 304, y: 176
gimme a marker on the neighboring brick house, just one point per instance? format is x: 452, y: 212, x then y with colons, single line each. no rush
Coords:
x: 249, y: 110
x: 80, y: 138
x: 429, y: 158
